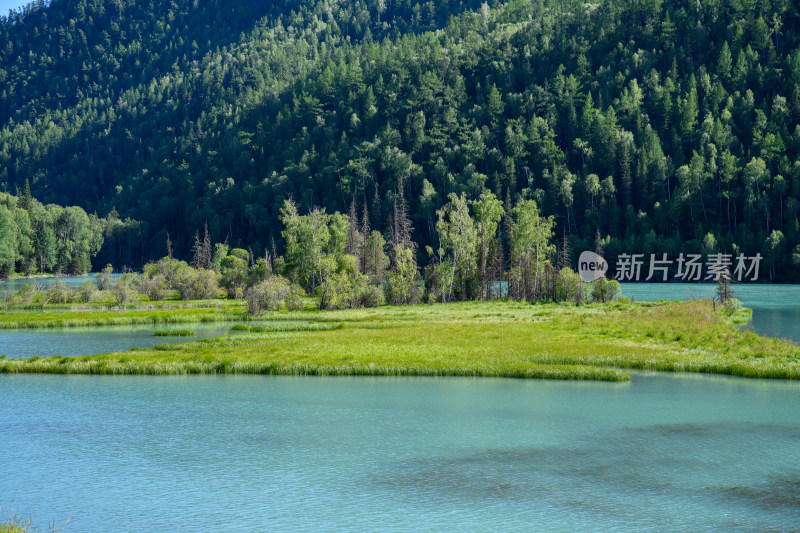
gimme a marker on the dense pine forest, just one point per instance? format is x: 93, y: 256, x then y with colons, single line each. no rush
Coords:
x: 640, y: 126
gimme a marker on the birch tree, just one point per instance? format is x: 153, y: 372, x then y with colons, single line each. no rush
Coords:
x: 457, y: 239
x: 488, y: 212
x: 531, y: 246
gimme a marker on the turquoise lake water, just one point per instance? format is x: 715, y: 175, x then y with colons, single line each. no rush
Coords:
x: 671, y: 452
x: 14, y: 285
x: 89, y: 341
x: 254, y: 453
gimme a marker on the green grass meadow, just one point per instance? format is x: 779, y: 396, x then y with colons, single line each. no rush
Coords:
x: 497, y: 339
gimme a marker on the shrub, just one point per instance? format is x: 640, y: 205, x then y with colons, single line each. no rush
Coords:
x: 103, y: 279
x: 605, y: 290
x: 196, y: 284
x: 294, y: 300
x: 86, y: 292
x: 267, y: 295
x: 401, y: 285
x: 732, y: 306
x: 123, y: 290
x: 279, y: 266
x: 259, y: 272
x: 25, y: 294
x: 169, y: 268
x: 220, y: 253
x: 401, y: 290
x: 154, y: 287
x: 58, y: 293
x: 569, y: 286
x: 234, y: 274
x: 371, y: 296
x: 122, y: 293
x: 240, y: 253
x: 337, y: 292
x: 7, y: 299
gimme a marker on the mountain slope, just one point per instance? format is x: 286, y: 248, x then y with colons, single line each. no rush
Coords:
x: 667, y: 126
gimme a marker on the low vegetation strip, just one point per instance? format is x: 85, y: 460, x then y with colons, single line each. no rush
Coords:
x: 175, y: 333
x: 286, y: 326
x: 67, y: 319
x: 231, y: 366
x: 499, y: 339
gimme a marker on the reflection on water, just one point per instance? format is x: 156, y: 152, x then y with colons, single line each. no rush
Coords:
x: 664, y: 452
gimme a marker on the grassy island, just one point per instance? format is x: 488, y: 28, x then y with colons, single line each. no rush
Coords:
x: 175, y: 333
x: 502, y: 339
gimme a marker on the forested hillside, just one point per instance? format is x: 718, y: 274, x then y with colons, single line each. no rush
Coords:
x: 653, y: 126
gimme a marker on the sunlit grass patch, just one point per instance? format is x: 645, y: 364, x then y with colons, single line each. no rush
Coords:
x: 175, y: 333
x: 501, y: 339
x: 287, y: 326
